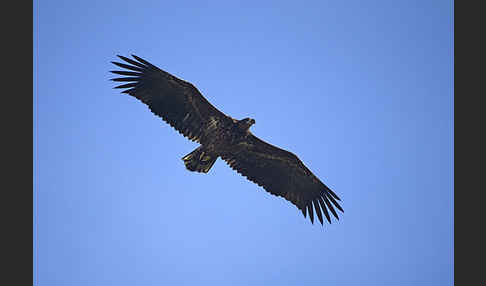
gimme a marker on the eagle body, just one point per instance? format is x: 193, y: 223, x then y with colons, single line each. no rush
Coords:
x: 219, y: 140
x: 183, y: 107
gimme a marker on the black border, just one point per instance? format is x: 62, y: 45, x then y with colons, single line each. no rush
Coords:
x: 17, y: 140
x: 469, y: 145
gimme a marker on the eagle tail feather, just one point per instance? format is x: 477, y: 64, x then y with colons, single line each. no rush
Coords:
x: 199, y: 160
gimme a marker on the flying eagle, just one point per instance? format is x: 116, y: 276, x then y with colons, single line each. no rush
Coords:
x: 181, y: 105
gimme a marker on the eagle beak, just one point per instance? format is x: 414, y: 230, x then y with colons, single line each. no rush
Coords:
x: 252, y: 121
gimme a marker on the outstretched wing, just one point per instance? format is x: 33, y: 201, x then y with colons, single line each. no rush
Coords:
x: 282, y: 174
x: 176, y: 101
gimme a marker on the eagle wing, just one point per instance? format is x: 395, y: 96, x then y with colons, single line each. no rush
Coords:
x: 176, y: 101
x: 281, y: 173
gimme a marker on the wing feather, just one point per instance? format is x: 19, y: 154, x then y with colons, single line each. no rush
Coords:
x: 324, y: 209
x: 282, y: 173
x: 176, y: 101
x: 330, y: 207
x: 318, y: 209
x: 311, y: 213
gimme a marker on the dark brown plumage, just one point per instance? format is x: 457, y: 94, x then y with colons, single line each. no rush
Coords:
x: 182, y: 106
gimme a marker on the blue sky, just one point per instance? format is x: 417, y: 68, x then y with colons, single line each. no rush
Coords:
x: 361, y: 91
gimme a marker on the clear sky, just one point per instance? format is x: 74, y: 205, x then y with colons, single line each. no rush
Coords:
x: 361, y: 91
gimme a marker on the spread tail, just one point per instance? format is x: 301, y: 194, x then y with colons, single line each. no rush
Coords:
x: 199, y: 160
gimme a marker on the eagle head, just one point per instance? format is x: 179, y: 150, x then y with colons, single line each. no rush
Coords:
x: 245, y: 124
